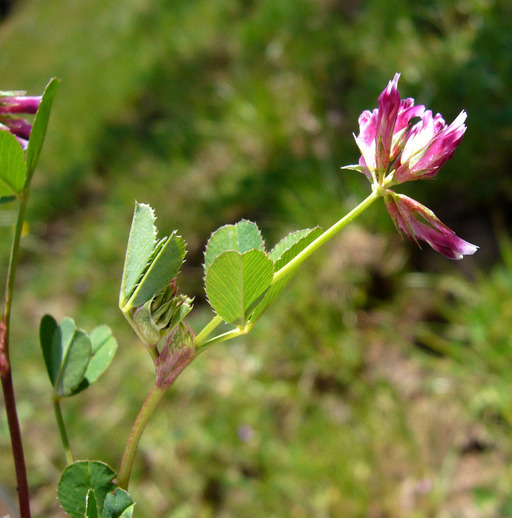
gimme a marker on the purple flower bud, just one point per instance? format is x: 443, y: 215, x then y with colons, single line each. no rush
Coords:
x: 418, y: 222
x: 177, y: 354
x: 19, y: 127
x: 13, y: 104
x: 20, y: 104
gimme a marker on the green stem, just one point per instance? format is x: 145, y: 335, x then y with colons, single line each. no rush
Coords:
x: 139, y: 425
x: 208, y: 330
x: 5, y: 366
x: 202, y: 341
x: 62, y: 429
x: 326, y: 236
x: 222, y: 338
x: 13, y: 262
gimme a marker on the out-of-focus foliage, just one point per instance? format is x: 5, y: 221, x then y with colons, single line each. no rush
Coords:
x: 213, y: 111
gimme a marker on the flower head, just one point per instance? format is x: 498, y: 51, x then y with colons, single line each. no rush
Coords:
x: 12, y: 104
x: 395, y: 148
x: 418, y: 222
x: 400, y: 142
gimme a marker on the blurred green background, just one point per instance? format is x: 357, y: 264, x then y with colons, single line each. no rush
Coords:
x: 379, y: 386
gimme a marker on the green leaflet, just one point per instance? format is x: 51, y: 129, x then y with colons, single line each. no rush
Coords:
x: 242, y: 237
x: 286, y: 250
x: 73, y: 359
x: 66, y: 351
x: 12, y: 165
x: 83, y: 488
x: 165, y: 266
x: 235, y: 281
x: 141, y: 245
x: 239, y: 273
x: 118, y: 504
x: 38, y: 132
x: 149, y: 265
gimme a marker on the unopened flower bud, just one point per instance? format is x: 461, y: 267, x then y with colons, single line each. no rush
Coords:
x: 12, y: 104
x: 20, y: 104
x: 158, y: 317
x: 418, y: 222
x: 178, y: 353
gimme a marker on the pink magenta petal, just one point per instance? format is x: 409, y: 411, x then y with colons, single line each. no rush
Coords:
x: 418, y: 222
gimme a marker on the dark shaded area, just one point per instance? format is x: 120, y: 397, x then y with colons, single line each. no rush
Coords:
x: 6, y: 7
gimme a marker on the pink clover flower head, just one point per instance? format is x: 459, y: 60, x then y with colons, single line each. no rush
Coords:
x: 12, y: 105
x: 418, y: 222
x: 395, y: 148
x: 400, y: 142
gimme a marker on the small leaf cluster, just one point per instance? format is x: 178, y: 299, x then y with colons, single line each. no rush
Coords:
x: 73, y: 359
x: 148, y: 297
x: 87, y: 489
x: 240, y: 276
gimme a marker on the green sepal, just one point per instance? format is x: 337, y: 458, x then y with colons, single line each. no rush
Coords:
x: 145, y: 325
x: 354, y: 167
x: 159, y: 316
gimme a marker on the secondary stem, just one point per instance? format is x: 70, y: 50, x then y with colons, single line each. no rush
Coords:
x: 208, y: 329
x: 62, y: 429
x: 5, y: 366
x: 139, y: 425
x: 222, y: 338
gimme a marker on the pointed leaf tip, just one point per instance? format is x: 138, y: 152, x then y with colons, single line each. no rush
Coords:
x: 38, y: 132
x: 140, y: 248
